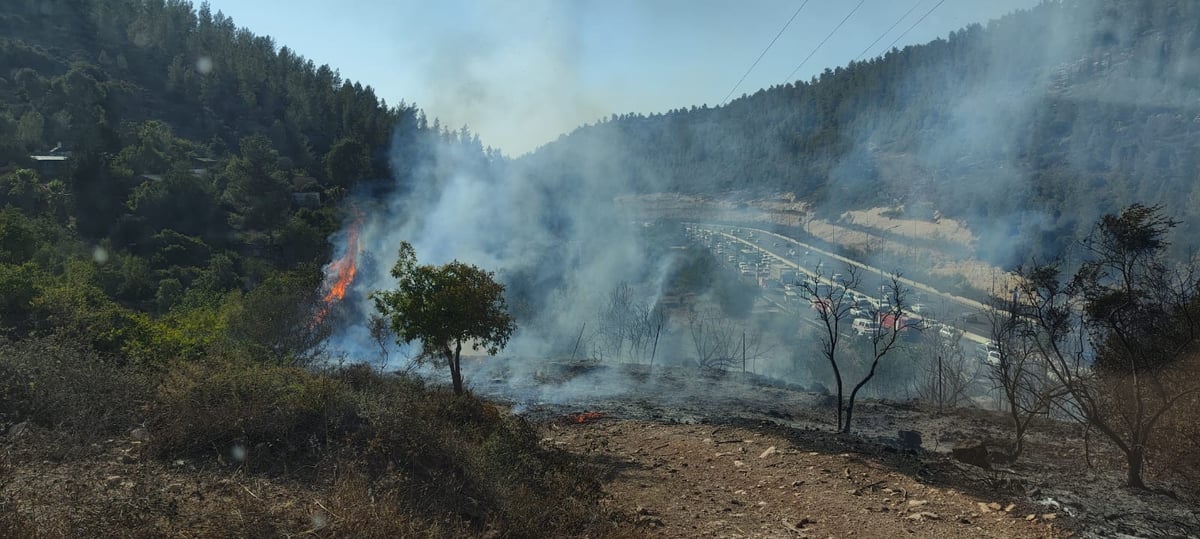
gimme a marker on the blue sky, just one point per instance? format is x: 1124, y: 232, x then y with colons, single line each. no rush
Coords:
x: 521, y: 72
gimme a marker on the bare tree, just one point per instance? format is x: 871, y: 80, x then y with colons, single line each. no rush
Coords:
x: 1018, y: 369
x: 721, y: 343
x: 883, y: 339
x: 381, y: 334
x: 712, y: 336
x: 947, y: 371
x: 616, y: 322
x: 1114, y: 334
x: 832, y: 303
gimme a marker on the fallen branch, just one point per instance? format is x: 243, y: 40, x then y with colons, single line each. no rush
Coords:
x: 858, y: 491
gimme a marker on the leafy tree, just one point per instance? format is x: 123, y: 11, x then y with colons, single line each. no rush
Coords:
x: 154, y: 152
x: 19, y: 286
x: 18, y: 237
x: 257, y: 187
x: 276, y: 321
x: 445, y: 307
x: 347, y: 162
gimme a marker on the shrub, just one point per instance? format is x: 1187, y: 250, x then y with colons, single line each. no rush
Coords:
x: 248, y: 411
x: 58, y: 383
x: 462, y: 459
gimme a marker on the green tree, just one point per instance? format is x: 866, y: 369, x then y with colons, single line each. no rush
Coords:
x: 30, y: 128
x: 445, y: 307
x: 277, y: 320
x: 257, y: 188
x: 347, y: 162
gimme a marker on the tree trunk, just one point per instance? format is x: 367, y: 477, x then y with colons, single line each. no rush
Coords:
x: 837, y: 375
x: 456, y: 368
x: 849, y: 413
x: 1135, y: 457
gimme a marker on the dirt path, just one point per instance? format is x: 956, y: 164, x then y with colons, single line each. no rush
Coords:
x: 710, y: 481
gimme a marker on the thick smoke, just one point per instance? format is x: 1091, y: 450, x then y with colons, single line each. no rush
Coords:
x: 551, y: 227
x: 555, y: 236
x: 1059, y: 115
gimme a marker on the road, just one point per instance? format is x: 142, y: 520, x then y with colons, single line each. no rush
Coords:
x: 964, y: 314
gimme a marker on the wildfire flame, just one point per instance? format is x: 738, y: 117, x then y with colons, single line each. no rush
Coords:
x: 339, y: 274
x: 587, y: 416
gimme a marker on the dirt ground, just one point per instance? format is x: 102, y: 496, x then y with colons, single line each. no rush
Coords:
x: 719, y: 481
x: 741, y: 457
x: 737, y: 467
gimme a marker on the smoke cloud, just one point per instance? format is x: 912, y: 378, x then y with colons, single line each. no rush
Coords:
x: 1008, y: 130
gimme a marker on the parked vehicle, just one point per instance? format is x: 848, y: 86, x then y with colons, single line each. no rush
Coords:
x: 865, y: 327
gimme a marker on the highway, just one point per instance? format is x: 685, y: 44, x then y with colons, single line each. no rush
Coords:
x: 963, y: 314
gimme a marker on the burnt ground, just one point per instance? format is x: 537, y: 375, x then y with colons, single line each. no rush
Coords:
x: 684, y: 455
x: 730, y: 456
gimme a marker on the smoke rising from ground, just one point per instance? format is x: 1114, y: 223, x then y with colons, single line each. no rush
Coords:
x: 1045, y: 100
x: 555, y: 236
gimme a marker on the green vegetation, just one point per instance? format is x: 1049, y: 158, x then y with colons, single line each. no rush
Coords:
x: 445, y: 307
x: 160, y: 273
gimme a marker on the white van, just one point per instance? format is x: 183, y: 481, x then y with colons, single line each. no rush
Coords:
x: 865, y: 327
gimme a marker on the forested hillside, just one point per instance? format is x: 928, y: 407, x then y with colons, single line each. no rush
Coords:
x: 1028, y: 127
x: 168, y: 187
x: 190, y: 158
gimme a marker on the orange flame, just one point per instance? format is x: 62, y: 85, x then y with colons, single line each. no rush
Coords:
x: 587, y: 416
x: 339, y: 274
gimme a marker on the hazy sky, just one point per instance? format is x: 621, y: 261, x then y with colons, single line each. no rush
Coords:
x: 521, y: 72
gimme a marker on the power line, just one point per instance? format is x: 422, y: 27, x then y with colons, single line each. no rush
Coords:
x: 764, y: 52
x: 914, y: 25
x: 818, y: 47
x: 889, y: 30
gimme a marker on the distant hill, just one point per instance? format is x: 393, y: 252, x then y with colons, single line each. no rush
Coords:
x: 1027, y: 128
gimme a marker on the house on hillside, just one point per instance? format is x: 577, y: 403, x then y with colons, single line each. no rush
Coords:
x: 52, y: 162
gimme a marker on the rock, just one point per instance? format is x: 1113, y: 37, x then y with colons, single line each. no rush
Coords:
x: 924, y: 515
x: 910, y: 440
x: 1049, y: 516
x: 983, y: 508
x: 16, y: 431
x: 1010, y: 507
x: 994, y: 506
x: 647, y: 520
x: 1030, y: 517
x: 973, y: 453
x: 140, y: 434
x: 770, y: 451
x: 917, y: 503
x: 738, y: 464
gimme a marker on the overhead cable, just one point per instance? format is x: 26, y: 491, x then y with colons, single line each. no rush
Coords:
x: 890, y: 28
x: 818, y: 47
x: 914, y: 25
x: 764, y: 52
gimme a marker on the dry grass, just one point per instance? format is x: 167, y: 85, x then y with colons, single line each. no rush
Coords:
x: 233, y: 448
